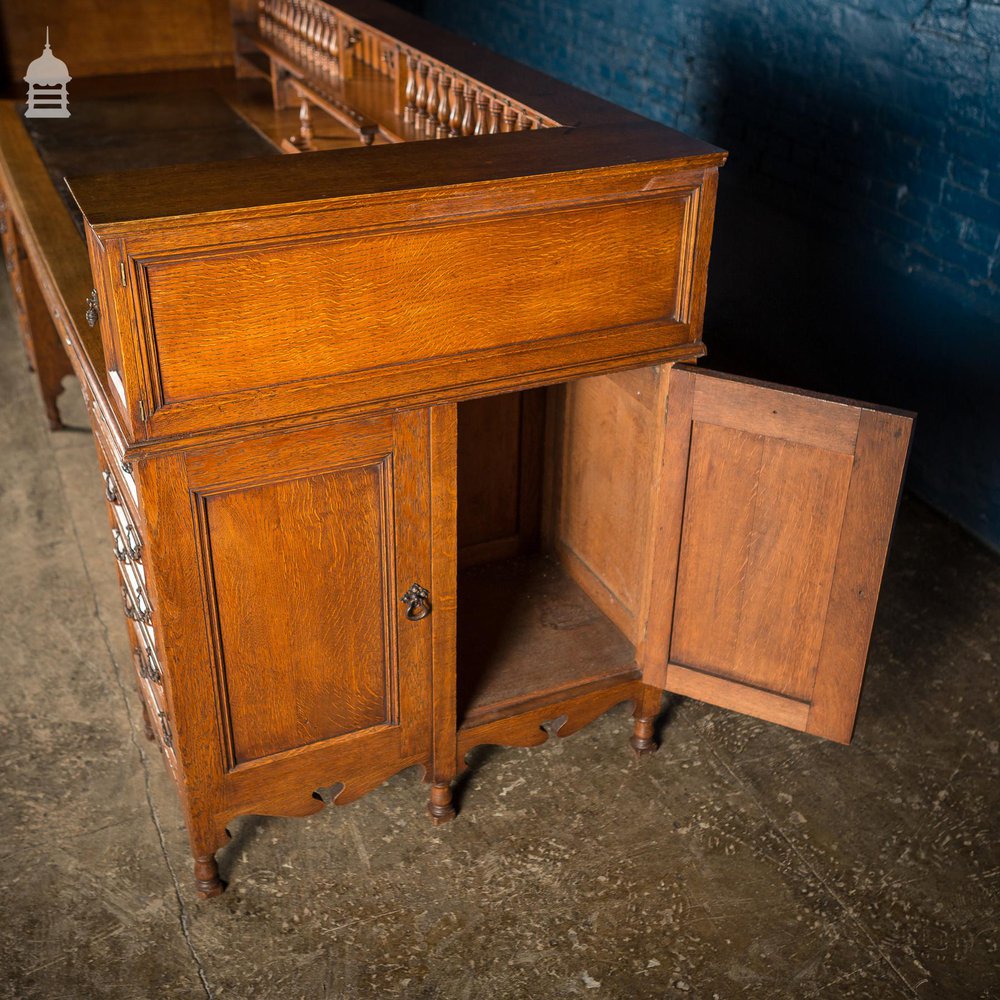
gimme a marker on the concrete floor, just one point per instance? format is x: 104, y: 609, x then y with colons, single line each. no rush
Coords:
x: 742, y: 860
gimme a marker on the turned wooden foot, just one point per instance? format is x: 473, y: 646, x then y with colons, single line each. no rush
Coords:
x: 206, y: 877
x: 440, y: 808
x: 642, y: 741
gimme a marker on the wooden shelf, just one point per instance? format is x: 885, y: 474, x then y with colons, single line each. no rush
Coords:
x: 525, y: 630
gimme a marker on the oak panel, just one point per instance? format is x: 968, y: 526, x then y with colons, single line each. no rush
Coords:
x: 770, y: 540
x: 401, y: 297
x: 761, y: 528
x: 609, y: 427
x: 299, y: 570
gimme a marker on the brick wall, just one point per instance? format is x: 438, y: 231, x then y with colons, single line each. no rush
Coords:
x: 857, y: 246
x: 886, y: 111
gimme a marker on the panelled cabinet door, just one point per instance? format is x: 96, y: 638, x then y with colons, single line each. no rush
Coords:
x: 307, y: 540
x: 772, y: 525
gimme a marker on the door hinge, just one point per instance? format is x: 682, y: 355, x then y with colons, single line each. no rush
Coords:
x: 122, y: 274
x: 142, y: 409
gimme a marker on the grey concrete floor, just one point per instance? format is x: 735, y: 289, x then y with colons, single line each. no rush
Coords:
x: 743, y: 860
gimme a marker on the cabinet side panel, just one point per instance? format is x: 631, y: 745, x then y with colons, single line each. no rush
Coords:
x: 299, y: 570
x: 609, y: 428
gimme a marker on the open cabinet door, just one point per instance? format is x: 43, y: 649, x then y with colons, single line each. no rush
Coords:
x: 773, y: 518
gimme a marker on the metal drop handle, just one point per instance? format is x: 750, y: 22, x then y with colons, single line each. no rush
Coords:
x: 121, y: 552
x: 417, y: 601
x: 93, y: 308
x: 133, y: 544
x: 110, y: 486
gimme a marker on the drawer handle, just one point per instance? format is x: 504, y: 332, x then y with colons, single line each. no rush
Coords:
x: 133, y: 543
x: 110, y: 487
x: 417, y: 601
x: 167, y: 730
x: 130, y: 613
x: 121, y: 552
x: 93, y: 313
x: 149, y: 669
x: 140, y: 611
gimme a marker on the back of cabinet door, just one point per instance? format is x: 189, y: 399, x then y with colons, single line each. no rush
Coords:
x: 770, y: 532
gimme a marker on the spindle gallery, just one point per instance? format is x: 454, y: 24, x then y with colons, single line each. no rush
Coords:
x: 402, y: 443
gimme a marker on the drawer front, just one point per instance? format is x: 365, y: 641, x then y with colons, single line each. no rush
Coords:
x: 161, y: 723
x: 120, y: 487
x: 126, y: 539
x: 135, y: 600
x: 144, y: 655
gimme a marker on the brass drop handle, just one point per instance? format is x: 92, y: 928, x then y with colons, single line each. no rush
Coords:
x: 148, y: 667
x: 166, y: 729
x: 121, y: 552
x: 110, y: 487
x: 130, y: 611
x: 140, y: 611
x: 417, y: 601
x: 133, y: 544
x: 145, y: 612
x: 93, y: 312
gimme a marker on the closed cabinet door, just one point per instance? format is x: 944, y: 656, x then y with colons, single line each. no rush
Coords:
x: 773, y: 519
x: 304, y: 543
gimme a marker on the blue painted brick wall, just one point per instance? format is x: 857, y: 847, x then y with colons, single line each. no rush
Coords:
x: 889, y: 106
x: 857, y: 246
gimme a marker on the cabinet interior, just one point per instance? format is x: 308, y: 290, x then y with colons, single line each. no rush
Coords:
x: 554, y: 504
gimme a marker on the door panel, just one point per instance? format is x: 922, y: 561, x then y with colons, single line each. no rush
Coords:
x: 306, y: 539
x: 300, y: 569
x: 774, y: 518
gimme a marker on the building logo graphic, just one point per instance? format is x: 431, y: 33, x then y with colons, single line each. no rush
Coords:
x: 46, y: 78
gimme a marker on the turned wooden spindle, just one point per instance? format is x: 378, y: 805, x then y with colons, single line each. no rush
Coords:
x: 410, y: 94
x: 457, y: 109
x: 469, y: 118
x: 496, y: 118
x: 305, y: 125
x: 443, y: 108
x: 206, y: 876
x: 263, y: 17
x: 510, y: 120
x: 430, y: 125
x: 299, y: 29
x: 483, y: 116
x: 421, y: 99
x: 523, y: 123
x: 328, y: 42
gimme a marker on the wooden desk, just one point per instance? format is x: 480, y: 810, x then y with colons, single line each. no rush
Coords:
x: 396, y: 458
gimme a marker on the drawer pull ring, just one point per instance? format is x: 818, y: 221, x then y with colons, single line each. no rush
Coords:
x: 133, y: 544
x: 149, y: 669
x: 110, y: 487
x: 121, y: 552
x: 417, y: 601
x: 92, y: 311
x: 167, y: 730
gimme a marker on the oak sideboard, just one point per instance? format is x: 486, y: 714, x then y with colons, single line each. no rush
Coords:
x: 387, y: 347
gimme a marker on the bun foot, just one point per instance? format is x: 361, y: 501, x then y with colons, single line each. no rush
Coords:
x: 441, y: 809
x: 642, y: 741
x: 206, y: 877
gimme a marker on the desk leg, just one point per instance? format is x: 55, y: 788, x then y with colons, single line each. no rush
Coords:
x: 643, y: 740
x: 444, y: 597
x: 206, y: 876
x: 48, y: 354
